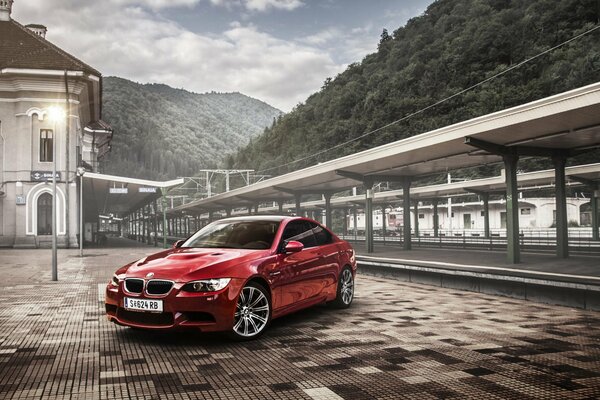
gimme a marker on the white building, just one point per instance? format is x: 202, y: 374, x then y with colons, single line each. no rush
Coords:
x: 36, y: 76
x: 534, y: 213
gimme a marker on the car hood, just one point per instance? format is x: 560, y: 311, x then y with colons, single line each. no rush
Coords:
x: 185, y: 264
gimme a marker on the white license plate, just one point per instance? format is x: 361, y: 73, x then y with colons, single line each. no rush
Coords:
x: 143, y: 305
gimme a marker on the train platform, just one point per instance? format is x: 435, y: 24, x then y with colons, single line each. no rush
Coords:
x: 399, y: 340
x: 574, y: 281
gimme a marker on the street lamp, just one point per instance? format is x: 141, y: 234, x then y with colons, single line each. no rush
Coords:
x: 80, y: 173
x: 56, y: 114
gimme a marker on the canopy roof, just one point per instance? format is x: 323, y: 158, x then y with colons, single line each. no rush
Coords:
x: 104, y: 194
x: 567, y: 121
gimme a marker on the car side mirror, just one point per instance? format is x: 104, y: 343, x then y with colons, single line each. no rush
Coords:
x: 178, y: 244
x: 293, y: 247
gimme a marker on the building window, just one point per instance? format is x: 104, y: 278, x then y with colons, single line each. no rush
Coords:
x: 483, y: 213
x: 46, y: 137
x: 525, y: 211
x: 421, y: 216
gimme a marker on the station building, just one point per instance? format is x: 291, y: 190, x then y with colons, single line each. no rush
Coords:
x: 38, y: 79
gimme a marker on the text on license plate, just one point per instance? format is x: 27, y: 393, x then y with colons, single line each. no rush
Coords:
x: 143, y: 304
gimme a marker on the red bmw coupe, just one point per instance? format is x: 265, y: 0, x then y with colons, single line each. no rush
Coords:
x: 235, y: 275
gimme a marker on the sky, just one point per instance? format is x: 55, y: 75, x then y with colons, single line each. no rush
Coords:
x: 278, y: 51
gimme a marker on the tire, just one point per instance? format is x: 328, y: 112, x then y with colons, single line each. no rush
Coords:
x: 345, y: 289
x: 252, y: 313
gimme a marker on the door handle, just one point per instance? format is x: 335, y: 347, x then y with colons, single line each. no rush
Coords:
x: 275, y: 273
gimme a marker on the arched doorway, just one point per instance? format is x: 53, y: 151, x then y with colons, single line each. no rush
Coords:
x: 44, y: 214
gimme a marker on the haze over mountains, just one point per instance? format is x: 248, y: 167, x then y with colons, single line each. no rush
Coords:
x: 162, y: 132
x: 452, y: 46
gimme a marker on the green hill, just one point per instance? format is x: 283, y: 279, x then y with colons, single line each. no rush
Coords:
x: 162, y: 132
x: 453, y: 45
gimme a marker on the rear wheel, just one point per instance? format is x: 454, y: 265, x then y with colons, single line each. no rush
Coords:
x: 345, y: 289
x: 252, y: 312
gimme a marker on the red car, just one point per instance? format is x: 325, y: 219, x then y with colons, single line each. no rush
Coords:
x: 235, y: 275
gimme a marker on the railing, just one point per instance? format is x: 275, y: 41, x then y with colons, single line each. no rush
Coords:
x: 580, y: 239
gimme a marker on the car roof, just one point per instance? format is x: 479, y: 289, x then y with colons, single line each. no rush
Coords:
x: 273, y: 218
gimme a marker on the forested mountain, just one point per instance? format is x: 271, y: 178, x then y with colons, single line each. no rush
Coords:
x: 163, y: 133
x: 453, y: 45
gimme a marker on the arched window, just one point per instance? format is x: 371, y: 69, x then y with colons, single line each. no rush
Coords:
x: 44, y: 214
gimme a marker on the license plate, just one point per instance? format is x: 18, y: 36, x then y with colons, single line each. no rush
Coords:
x: 143, y: 305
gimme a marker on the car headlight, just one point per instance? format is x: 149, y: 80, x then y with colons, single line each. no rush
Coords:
x: 206, y: 285
x: 114, y: 281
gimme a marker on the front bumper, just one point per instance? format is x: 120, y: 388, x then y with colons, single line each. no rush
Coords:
x: 209, y: 311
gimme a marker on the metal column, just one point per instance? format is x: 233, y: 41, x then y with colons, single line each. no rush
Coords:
x: 369, y: 217
x: 280, y: 206
x: 416, y: 211
x: 383, y: 222
x: 355, y: 222
x: 406, y: 242
x: 486, y: 215
x: 562, y: 227
x: 512, y: 209
x: 345, y: 223
x: 594, y: 204
x: 436, y: 218
x: 328, y: 215
x: 298, y: 199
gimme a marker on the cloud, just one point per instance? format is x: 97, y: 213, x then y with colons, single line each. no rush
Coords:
x: 156, y: 4
x: 260, y: 5
x: 136, y: 43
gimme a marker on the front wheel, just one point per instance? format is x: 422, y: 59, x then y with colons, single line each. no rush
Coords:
x: 252, y: 312
x: 345, y: 289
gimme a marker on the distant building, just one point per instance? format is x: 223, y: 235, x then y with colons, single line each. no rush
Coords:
x: 534, y: 213
x: 36, y: 75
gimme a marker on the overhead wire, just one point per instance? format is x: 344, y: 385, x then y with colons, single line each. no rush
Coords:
x: 437, y: 103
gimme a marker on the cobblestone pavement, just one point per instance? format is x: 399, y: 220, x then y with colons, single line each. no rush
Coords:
x: 398, y: 341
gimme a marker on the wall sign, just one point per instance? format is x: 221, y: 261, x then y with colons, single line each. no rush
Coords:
x: 20, y: 199
x: 44, y: 176
x: 147, y: 190
x: 118, y: 190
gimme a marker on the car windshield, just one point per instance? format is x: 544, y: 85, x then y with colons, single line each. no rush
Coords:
x: 251, y: 235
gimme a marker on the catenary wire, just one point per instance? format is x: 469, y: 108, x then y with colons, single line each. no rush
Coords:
x: 422, y: 110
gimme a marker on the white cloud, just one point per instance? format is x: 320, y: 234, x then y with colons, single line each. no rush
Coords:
x: 260, y: 5
x: 137, y: 44
x: 156, y: 4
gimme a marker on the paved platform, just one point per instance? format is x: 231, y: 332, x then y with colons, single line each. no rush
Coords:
x: 495, y: 261
x: 398, y: 341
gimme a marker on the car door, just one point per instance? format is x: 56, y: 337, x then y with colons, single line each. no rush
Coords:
x: 325, y: 275
x: 297, y: 269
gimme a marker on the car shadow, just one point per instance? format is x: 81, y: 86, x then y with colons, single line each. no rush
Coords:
x: 284, y: 326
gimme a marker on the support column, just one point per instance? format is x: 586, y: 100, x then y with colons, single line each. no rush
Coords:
x: 298, y: 198
x: 407, y: 240
x: 355, y: 222
x: 328, y: 215
x: 210, y: 216
x: 369, y: 216
x: 383, y: 222
x: 562, y: 227
x: 345, y: 223
x: 155, y: 223
x: 512, y: 209
x: 280, y: 206
x: 436, y: 218
x: 256, y: 208
x: 416, y: 211
x: 249, y: 210
x: 594, y: 204
x: 486, y: 215
x: 228, y: 212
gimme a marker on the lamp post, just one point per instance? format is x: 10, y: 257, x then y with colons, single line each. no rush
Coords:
x: 56, y: 115
x: 80, y: 173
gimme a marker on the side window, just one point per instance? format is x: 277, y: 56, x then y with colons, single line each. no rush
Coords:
x: 322, y: 235
x: 299, y: 231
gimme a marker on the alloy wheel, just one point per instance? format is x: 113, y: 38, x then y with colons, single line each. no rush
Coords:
x: 252, y: 312
x: 347, y: 290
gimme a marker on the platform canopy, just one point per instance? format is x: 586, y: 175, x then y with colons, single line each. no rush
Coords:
x: 106, y: 194
x: 569, y: 122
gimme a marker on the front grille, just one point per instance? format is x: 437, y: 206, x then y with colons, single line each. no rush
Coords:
x: 145, y: 318
x: 158, y: 287
x: 134, y: 285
